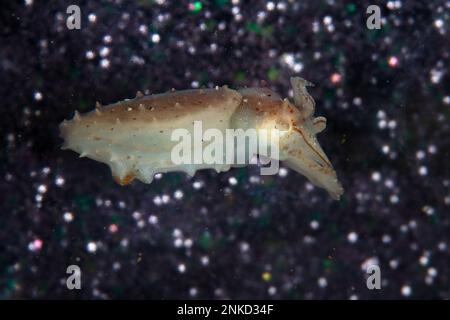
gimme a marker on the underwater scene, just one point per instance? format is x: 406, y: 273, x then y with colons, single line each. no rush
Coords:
x: 225, y: 149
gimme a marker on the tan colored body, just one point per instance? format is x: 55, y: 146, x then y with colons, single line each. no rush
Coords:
x: 134, y: 136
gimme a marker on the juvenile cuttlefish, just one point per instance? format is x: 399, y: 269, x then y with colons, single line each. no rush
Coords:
x: 133, y: 136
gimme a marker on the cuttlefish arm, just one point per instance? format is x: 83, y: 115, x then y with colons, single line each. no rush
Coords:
x: 302, y: 98
x: 303, y: 152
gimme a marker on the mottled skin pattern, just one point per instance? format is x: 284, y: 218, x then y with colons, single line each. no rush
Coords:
x: 133, y: 136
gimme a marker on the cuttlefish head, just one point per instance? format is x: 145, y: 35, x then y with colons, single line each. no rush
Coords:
x: 299, y: 146
x: 296, y: 130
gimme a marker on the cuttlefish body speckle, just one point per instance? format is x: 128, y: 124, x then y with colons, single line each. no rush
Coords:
x: 133, y: 136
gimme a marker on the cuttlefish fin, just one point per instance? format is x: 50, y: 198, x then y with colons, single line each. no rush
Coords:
x: 302, y: 98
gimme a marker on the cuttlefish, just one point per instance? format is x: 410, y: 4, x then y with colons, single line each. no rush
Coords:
x: 135, y: 136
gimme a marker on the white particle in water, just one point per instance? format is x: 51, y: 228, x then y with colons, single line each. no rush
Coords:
x: 393, y: 264
x: 412, y: 224
x: 446, y: 100
x: 272, y: 290
x: 156, y: 38
x: 314, y: 225
x: 157, y: 200
x: 104, y: 63
x: 152, y: 219
x: 35, y: 245
x: 181, y: 268
x: 371, y: 261
x: 116, y: 266
x: 90, y: 54
x: 298, y: 67
x: 281, y: 6
x: 38, y: 96
x: 423, y: 171
x: 381, y: 114
x: 197, y: 185
x: 432, y: 272
x: 232, y: 181
x: 193, y: 292
x: 92, y: 18
x: 124, y: 242
x: 188, y: 243
x: 428, y: 210
x: 386, y: 238
x: 423, y: 260
x: 392, y: 124
x: 309, y: 186
x: 178, y: 194
x: 176, y: 233
x: 59, y: 181
x: 390, y: 5
x: 420, y: 154
x: 436, y: 75
x: 357, y: 101
x: 282, y: 172
x: 439, y: 23
x: 254, y: 179
x: 389, y: 183
x: 68, y: 216
x: 204, y: 260
x: 394, y: 199
x: 288, y: 58
x: 352, y: 237
x: 244, y: 246
x: 165, y: 198
x: 141, y: 224
x: 143, y: 29
x: 393, y: 61
x: 447, y: 200
x: 91, y: 247
x: 327, y: 20
x: 107, y: 39
x: 406, y: 291
x: 382, y: 124
x: 42, y: 188
x: 376, y: 176
x: 137, y: 215
x: 322, y: 282
x: 178, y: 242
x: 104, y: 51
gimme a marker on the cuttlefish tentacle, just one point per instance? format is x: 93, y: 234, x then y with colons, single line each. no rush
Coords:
x: 320, y: 123
x: 134, y: 136
x: 302, y: 98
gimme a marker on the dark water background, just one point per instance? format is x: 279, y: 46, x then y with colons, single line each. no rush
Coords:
x: 386, y: 96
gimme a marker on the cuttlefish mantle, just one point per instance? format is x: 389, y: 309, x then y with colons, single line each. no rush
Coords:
x: 133, y: 137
